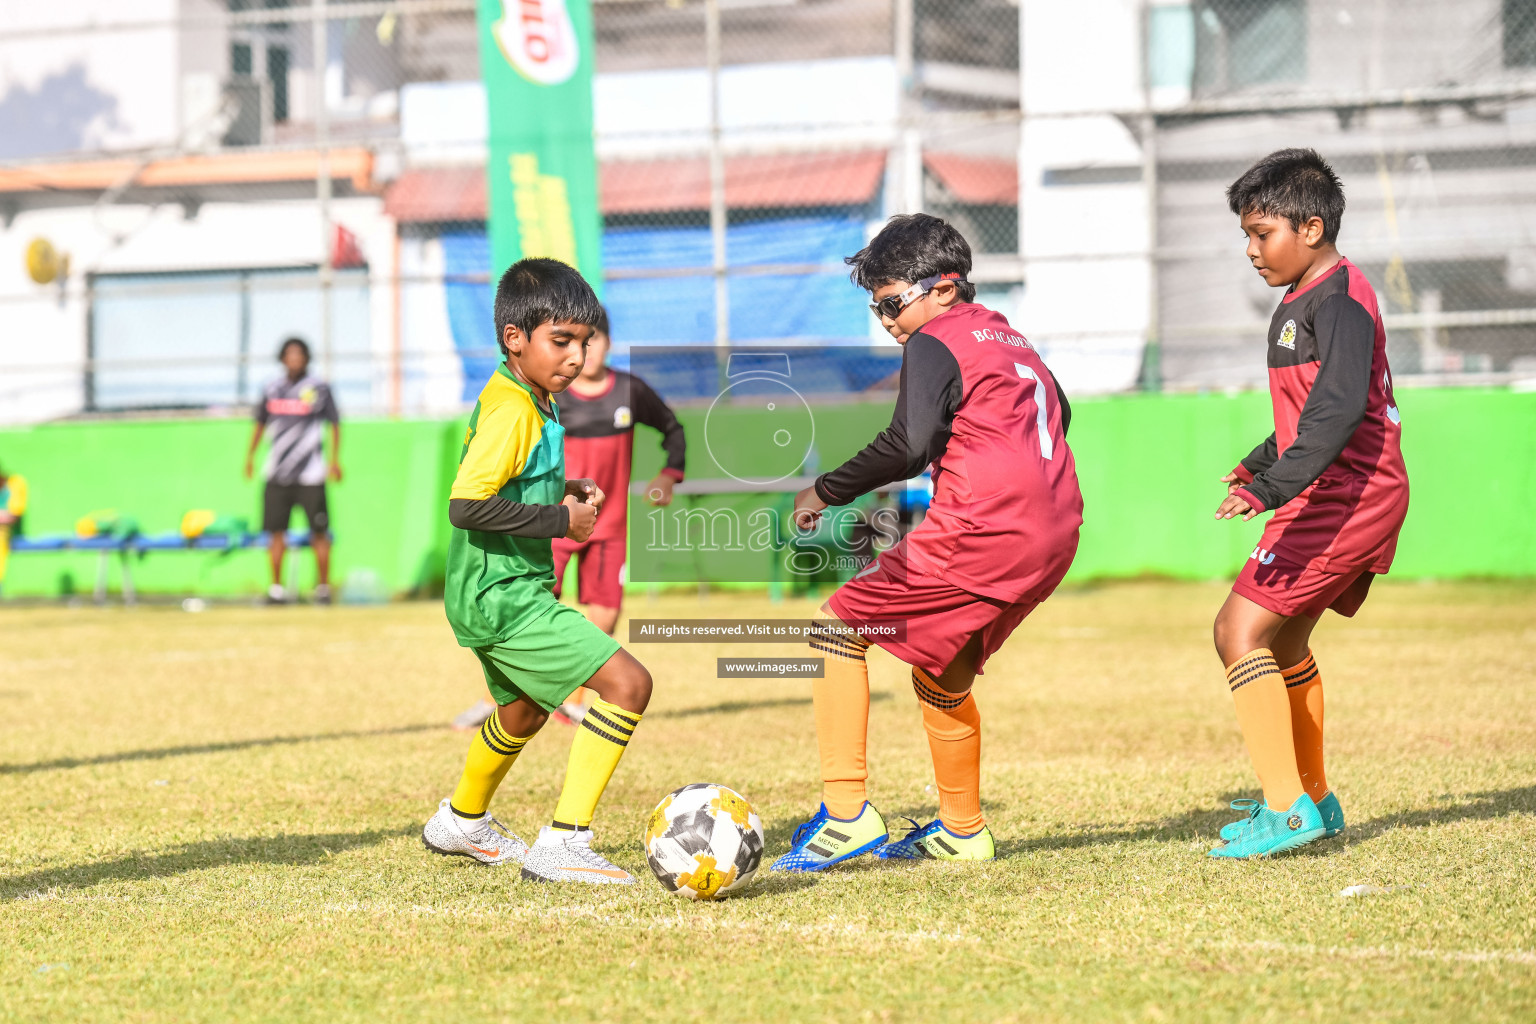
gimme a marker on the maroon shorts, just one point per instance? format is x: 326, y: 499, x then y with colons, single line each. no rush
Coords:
x: 597, y: 570
x: 938, y: 617
x: 1297, y: 590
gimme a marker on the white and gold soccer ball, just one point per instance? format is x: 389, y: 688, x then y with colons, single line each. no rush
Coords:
x: 704, y: 841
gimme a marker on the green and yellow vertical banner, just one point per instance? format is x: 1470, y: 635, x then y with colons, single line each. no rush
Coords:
x: 536, y: 58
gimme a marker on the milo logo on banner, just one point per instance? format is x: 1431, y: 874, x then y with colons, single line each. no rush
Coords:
x: 538, y: 39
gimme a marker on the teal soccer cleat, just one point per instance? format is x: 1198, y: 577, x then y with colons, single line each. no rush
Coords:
x: 824, y: 840
x: 1333, y: 815
x: 1270, y: 832
x: 1250, y: 808
x: 1328, y: 807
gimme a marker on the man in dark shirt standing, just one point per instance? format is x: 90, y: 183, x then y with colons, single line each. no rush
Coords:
x: 294, y: 406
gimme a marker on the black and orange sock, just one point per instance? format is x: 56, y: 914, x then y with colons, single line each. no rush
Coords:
x: 953, y: 724
x: 1264, y: 715
x: 1304, y: 687
x: 841, y: 701
x: 491, y: 753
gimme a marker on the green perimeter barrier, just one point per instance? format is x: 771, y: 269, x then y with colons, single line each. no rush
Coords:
x: 1149, y: 467
x: 388, y: 514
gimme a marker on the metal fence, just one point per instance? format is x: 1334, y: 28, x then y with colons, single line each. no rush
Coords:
x: 221, y: 174
x: 1428, y: 113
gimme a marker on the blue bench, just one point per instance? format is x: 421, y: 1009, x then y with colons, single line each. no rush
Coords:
x: 140, y: 545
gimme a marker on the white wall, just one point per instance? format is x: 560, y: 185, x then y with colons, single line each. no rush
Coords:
x: 844, y: 102
x: 1085, y: 246
x: 64, y: 90
x: 42, y: 327
x: 43, y: 341
x: 434, y: 377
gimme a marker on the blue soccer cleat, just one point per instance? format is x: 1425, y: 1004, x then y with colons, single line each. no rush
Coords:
x: 1270, y: 832
x: 824, y: 840
x: 934, y: 841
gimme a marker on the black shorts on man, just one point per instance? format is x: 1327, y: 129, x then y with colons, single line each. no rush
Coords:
x: 278, y: 501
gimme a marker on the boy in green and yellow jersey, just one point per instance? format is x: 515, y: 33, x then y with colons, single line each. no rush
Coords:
x: 509, y: 500
x: 13, y: 505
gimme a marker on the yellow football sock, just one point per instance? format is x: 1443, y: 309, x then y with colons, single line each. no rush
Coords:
x: 953, y: 724
x: 595, y: 753
x: 1264, y: 715
x: 841, y: 702
x: 491, y: 753
x: 1304, y: 686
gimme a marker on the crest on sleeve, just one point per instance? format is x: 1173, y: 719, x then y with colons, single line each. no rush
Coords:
x: 1288, y: 336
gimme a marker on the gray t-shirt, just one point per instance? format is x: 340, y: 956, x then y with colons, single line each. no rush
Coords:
x: 292, y: 411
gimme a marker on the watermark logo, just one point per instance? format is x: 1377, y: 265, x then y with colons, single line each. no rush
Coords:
x: 538, y: 39
x: 772, y: 416
x: 760, y: 382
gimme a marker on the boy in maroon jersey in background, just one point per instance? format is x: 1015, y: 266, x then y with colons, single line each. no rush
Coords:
x: 1333, y: 474
x: 599, y: 412
x: 977, y: 403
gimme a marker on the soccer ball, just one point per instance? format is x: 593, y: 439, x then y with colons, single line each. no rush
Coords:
x: 703, y: 841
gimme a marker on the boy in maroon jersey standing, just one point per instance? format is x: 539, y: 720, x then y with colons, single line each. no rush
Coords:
x: 977, y: 403
x: 1332, y: 472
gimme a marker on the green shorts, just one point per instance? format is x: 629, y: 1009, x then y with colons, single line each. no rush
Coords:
x: 548, y: 660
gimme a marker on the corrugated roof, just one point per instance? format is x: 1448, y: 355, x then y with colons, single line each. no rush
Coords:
x: 981, y: 180
x: 658, y: 186
x: 438, y: 194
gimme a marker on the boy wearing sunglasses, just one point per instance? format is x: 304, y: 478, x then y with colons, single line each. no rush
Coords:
x: 977, y: 402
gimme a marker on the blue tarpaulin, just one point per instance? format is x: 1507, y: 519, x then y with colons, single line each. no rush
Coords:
x: 821, y: 306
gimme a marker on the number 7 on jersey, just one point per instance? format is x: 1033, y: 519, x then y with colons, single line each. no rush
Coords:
x: 1042, y: 414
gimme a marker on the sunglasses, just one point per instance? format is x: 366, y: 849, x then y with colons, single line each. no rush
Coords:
x: 891, y: 306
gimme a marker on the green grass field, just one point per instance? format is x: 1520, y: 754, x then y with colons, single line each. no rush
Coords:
x: 217, y: 817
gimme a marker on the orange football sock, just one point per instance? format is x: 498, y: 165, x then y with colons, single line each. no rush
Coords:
x: 1264, y: 715
x: 1304, y: 686
x: 841, y: 700
x: 954, y: 739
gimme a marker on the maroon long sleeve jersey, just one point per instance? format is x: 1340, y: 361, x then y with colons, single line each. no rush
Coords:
x: 978, y: 403
x: 1333, y: 469
x: 600, y: 441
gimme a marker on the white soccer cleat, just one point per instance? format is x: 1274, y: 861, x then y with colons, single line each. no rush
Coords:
x: 473, y: 718
x: 483, y: 839
x: 561, y: 856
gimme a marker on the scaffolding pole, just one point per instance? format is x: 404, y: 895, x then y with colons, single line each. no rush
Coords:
x: 319, y: 41
x: 717, y: 207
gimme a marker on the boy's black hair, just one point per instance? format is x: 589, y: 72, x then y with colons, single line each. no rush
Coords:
x: 1296, y: 184
x: 909, y: 248
x: 601, y: 327
x: 288, y: 343
x: 536, y: 291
